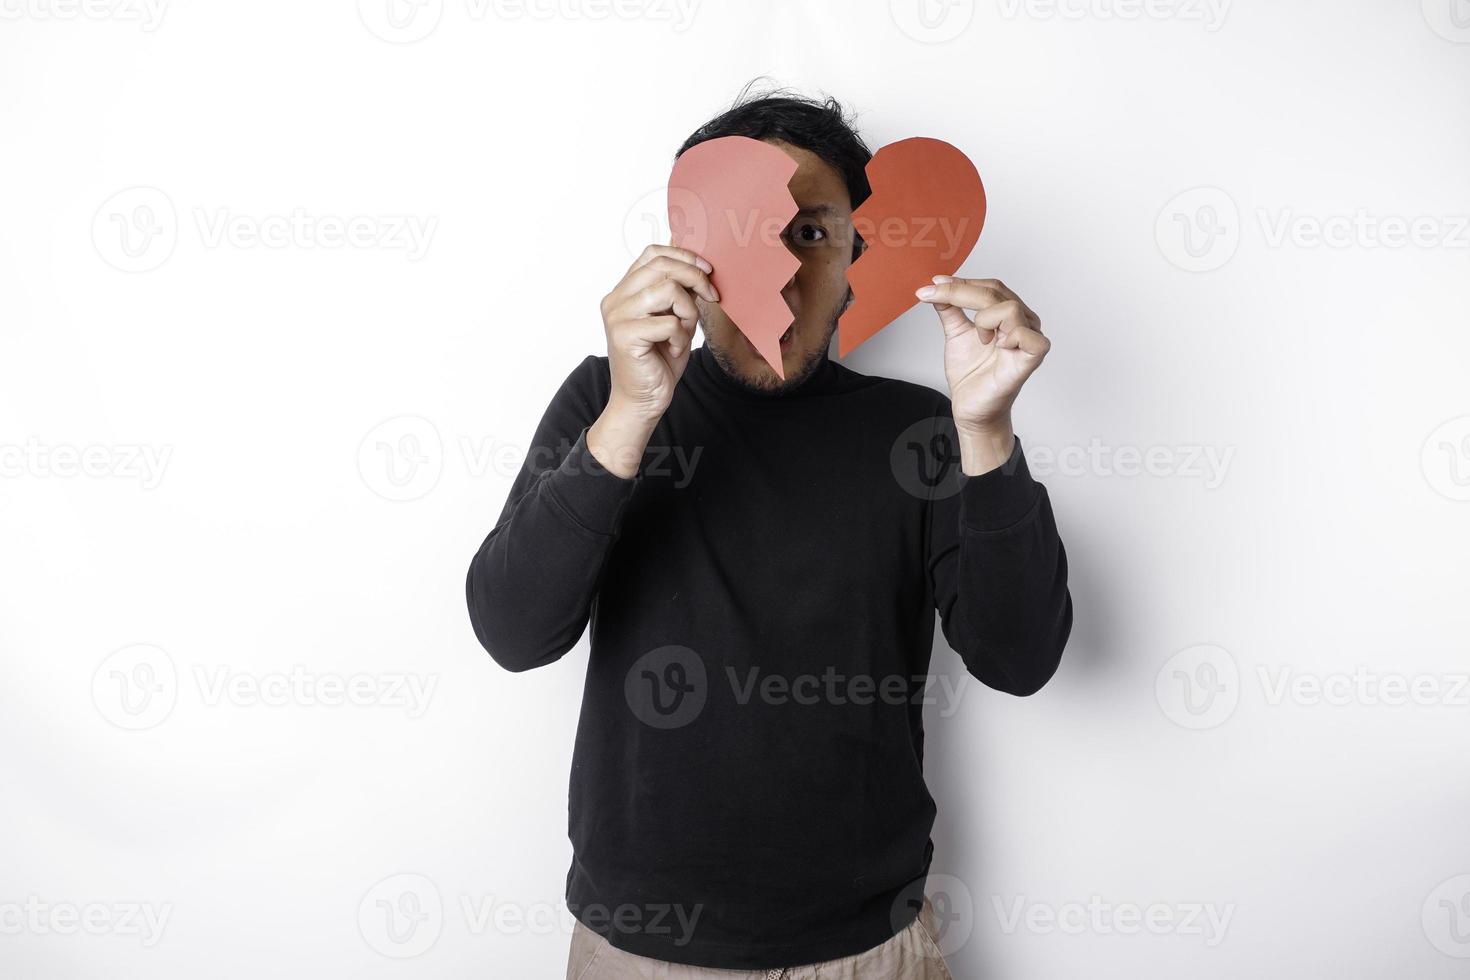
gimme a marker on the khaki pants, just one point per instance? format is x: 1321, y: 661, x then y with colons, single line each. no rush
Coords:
x: 913, y: 954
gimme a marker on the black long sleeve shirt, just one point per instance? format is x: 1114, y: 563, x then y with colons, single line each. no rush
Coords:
x: 747, y: 784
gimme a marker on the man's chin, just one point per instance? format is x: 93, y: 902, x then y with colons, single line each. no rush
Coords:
x: 747, y: 367
x: 757, y: 375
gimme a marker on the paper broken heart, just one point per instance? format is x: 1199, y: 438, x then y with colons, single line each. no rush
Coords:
x: 729, y: 201
x: 922, y: 219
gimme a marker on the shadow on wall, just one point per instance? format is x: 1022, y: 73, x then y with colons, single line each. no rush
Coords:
x: 959, y: 881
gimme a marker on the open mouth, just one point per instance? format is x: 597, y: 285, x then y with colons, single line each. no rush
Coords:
x: 786, y: 337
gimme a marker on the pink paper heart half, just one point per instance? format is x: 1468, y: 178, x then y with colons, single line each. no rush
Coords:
x: 728, y: 201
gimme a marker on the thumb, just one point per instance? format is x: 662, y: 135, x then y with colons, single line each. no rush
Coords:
x: 953, y: 320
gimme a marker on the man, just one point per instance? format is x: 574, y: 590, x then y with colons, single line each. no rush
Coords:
x: 761, y: 561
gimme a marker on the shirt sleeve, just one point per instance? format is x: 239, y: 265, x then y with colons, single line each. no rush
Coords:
x: 999, y: 575
x: 531, y: 586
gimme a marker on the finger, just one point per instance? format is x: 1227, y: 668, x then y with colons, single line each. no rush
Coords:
x: 667, y: 267
x: 1005, y: 315
x: 678, y: 346
x: 665, y: 336
x: 961, y: 292
x: 663, y: 296
x: 1024, y: 339
x: 649, y: 331
x: 670, y: 251
x: 955, y: 323
x: 994, y: 285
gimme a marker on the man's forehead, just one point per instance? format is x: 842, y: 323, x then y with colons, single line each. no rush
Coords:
x: 818, y: 188
x: 823, y: 203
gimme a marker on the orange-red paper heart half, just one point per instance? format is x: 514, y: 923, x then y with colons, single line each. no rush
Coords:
x: 922, y: 219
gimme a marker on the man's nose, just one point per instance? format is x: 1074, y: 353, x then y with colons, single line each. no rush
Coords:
x: 791, y: 294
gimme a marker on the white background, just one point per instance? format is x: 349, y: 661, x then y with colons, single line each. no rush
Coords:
x: 291, y: 393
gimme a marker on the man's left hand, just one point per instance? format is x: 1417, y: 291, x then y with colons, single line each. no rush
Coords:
x: 986, y: 361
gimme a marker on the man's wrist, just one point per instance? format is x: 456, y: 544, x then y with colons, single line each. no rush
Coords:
x: 618, y: 438
x: 984, y: 447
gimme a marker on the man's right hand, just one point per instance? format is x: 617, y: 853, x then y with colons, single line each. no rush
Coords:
x: 650, y: 318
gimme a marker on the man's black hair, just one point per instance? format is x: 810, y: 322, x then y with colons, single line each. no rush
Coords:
x: 817, y: 125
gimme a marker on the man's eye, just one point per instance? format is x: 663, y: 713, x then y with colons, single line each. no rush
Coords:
x: 808, y: 234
